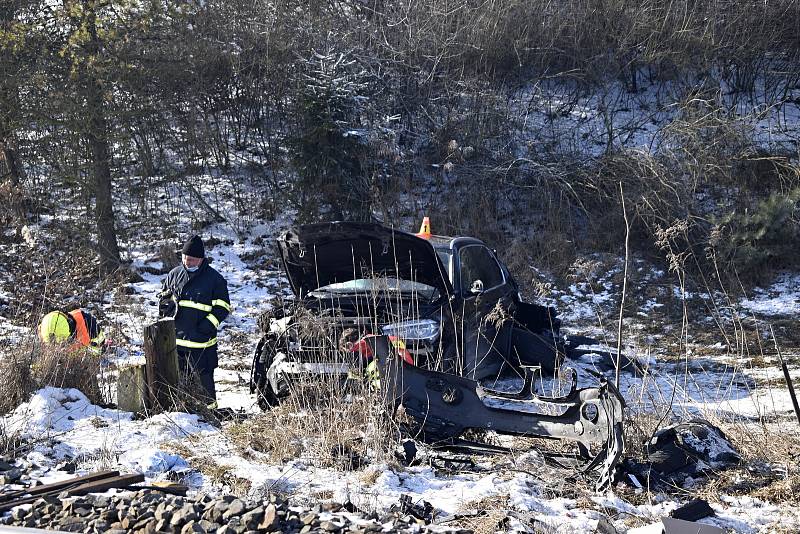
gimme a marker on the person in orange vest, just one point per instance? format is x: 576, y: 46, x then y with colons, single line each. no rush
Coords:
x: 78, y: 326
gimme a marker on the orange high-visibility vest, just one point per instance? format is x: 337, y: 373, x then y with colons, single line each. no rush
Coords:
x: 81, y: 332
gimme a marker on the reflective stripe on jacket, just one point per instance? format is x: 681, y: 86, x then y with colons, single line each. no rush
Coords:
x: 81, y: 332
x: 202, y: 304
x: 87, y: 332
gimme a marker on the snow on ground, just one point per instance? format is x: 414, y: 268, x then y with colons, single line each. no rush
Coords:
x: 560, y: 117
x: 781, y: 298
x: 64, y: 425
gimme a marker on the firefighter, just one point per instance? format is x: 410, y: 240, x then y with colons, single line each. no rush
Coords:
x: 78, y: 326
x: 196, y: 296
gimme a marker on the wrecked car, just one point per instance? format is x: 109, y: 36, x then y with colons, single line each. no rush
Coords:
x: 439, y: 319
x: 447, y: 304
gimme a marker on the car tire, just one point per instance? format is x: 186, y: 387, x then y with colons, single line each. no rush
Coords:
x: 265, y: 354
x: 266, y: 397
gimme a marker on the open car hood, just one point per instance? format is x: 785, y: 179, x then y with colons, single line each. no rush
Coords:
x: 316, y: 255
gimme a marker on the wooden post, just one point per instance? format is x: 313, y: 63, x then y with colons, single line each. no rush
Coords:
x: 161, y: 356
x: 132, y: 388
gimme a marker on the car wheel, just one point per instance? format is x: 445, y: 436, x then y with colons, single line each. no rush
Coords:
x: 265, y: 355
x: 266, y: 397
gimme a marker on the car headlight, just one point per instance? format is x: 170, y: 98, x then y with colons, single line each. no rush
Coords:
x: 420, y: 330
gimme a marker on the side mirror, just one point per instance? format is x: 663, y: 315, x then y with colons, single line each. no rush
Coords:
x: 477, y: 287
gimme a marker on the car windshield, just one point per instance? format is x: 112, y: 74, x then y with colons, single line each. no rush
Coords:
x: 378, y: 285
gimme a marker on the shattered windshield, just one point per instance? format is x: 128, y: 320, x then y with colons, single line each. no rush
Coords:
x: 378, y: 285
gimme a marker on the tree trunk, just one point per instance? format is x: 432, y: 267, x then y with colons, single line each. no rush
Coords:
x: 9, y: 162
x: 97, y: 138
x: 104, y: 202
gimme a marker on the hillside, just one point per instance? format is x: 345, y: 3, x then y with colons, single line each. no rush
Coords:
x: 635, y: 165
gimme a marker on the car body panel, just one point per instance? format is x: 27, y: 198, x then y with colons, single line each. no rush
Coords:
x: 318, y: 255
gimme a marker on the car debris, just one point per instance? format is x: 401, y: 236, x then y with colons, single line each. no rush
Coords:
x: 670, y: 525
x: 687, y: 450
x: 446, y: 405
x: 422, y: 510
x: 693, y: 510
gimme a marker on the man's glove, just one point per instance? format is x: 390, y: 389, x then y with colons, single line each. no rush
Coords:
x: 167, y: 307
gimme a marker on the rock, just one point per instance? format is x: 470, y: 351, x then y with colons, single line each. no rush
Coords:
x: 5, y: 466
x: 191, y: 527
x: 145, y: 517
x: 309, y: 519
x: 162, y: 525
x: 218, y: 511
x: 210, y: 516
x: 252, y: 518
x: 306, y: 529
x: 81, y: 511
x: 71, y: 524
x: 225, y: 529
x: 184, y: 515
x: 236, y: 525
x: 207, y: 526
x: 107, y: 515
x: 236, y: 507
x: 270, y: 518
x: 10, y: 476
x: 100, y: 501
x: 330, y: 526
x: 162, y: 513
x: 331, y: 507
x: 68, y: 466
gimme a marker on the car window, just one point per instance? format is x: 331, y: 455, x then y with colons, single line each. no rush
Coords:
x: 444, y: 255
x: 477, y: 263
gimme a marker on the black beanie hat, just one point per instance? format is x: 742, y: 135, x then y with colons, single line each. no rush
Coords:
x: 194, y: 247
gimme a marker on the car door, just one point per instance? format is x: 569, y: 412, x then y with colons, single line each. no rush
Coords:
x: 482, y: 283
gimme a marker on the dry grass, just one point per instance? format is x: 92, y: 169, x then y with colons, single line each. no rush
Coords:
x: 18, y: 383
x: 484, y: 516
x: 34, y: 366
x: 324, y: 423
x: 221, y: 474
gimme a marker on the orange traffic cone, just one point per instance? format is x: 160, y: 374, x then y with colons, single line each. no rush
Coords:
x: 425, y: 228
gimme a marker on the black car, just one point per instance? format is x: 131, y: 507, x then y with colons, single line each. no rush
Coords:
x: 447, y: 303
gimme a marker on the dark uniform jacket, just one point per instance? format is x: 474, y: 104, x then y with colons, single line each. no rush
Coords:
x: 199, y: 303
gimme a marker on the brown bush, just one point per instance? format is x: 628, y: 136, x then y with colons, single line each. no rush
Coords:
x: 34, y: 366
x: 17, y: 384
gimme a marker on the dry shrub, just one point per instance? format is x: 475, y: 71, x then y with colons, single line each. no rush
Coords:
x: 169, y: 257
x: 63, y: 367
x: 10, y: 443
x: 35, y: 366
x: 484, y: 516
x: 786, y: 490
x: 17, y: 384
x: 549, y: 249
x: 13, y: 205
x: 221, y: 474
x: 329, y: 422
